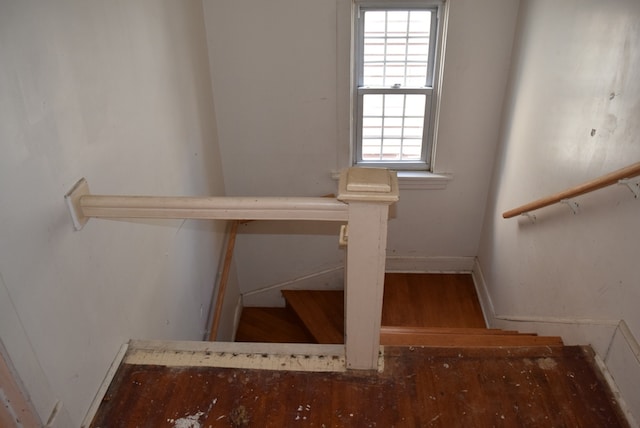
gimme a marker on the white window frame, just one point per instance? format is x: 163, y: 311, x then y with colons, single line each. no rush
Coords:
x: 429, y: 90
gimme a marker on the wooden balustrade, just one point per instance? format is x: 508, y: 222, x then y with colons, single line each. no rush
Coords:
x: 363, y: 202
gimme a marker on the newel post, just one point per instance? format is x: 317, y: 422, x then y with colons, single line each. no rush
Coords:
x: 369, y: 193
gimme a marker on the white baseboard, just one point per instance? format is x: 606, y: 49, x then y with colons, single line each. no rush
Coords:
x: 97, y: 400
x: 623, y: 364
x: 423, y: 264
x: 326, y: 279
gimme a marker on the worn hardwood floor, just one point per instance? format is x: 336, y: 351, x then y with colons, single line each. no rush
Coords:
x: 420, y: 387
x: 498, y: 379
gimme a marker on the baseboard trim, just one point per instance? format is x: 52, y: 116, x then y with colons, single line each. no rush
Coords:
x: 97, y: 400
x: 327, y: 279
x: 622, y: 403
x: 491, y: 316
x: 423, y: 264
x: 292, y: 282
x: 323, y: 279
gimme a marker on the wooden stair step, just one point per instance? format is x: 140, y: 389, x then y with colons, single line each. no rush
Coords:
x: 435, y: 300
x: 448, y: 330
x: 422, y: 310
x: 273, y: 325
x: 321, y: 312
x: 463, y: 338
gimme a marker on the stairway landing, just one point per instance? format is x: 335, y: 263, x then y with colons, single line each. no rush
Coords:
x: 454, y: 387
x: 410, y: 300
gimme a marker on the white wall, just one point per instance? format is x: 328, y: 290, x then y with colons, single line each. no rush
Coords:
x: 447, y: 223
x: 274, y: 69
x: 576, y: 70
x: 281, y: 74
x: 118, y: 92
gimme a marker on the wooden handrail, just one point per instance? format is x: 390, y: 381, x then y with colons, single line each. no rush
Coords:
x: 220, y: 207
x: 84, y: 205
x: 589, y: 186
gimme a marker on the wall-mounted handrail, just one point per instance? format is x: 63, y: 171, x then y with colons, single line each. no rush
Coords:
x: 589, y: 186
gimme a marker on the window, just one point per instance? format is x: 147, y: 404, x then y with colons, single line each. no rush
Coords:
x: 394, y: 85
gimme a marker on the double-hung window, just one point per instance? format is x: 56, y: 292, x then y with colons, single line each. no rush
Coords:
x: 394, y: 74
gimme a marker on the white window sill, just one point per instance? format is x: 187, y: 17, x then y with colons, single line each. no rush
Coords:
x: 423, y: 180
x: 417, y: 180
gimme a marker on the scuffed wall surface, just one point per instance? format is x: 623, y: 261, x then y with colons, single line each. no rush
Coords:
x: 118, y: 92
x: 573, y: 114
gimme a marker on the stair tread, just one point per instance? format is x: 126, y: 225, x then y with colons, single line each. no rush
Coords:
x: 408, y: 330
x: 420, y: 310
x: 321, y: 312
x: 434, y: 300
x: 468, y: 340
x: 274, y: 325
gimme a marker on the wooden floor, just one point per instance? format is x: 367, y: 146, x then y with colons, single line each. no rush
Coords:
x: 431, y: 300
x: 419, y: 387
x: 410, y: 300
x: 271, y: 325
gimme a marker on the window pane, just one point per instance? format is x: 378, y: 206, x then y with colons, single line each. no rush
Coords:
x: 371, y: 127
x: 394, y: 105
x: 392, y: 126
x: 414, y: 105
x: 372, y: 105
x: 396, y: 48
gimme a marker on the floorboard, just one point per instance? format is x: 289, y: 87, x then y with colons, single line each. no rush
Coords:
x: 431, y: 300
x: 420, y: 387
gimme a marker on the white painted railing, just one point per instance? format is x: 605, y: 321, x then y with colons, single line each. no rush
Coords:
x: 363, y: 202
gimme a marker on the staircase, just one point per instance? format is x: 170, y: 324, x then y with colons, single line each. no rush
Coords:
x: 454, y: 373
x: 435, y: 310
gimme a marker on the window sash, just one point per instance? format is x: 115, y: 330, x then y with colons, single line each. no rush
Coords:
x: 433, y: 30
x: 417, y: 164
x: 427, y: 90
x: 360, y: 91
